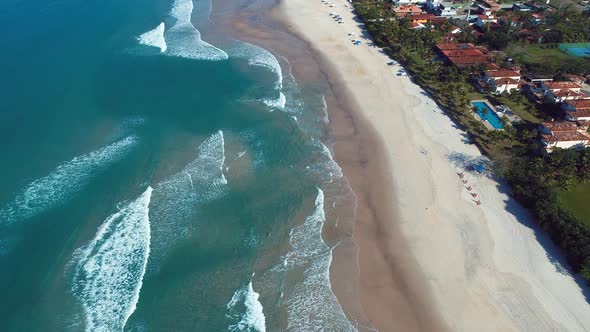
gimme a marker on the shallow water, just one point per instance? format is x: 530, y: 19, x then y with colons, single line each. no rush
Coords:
x: 157, y: 177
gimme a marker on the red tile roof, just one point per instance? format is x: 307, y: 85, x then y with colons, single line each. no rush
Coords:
x: 580, y: 104
x: 568, y: 93
x: 409, y: 9
x: 454, y: 46
x: 560, y: 126
x: 427, y: 17
x: 563, y: 85
x: 506, y: 80
x: 462, y: 54
x: 567, y: 136
x: 502, y: 73
x: 468, y: 60
x: 457, y: 53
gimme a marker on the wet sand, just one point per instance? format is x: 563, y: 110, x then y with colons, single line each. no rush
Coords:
x: 429, y: 257
x: 373, y: 272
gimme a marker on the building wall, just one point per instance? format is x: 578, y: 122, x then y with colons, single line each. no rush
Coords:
x: 506, y: 88
x: 567, y: 145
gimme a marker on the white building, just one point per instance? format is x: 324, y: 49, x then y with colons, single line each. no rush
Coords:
x: 578, y: 110
x: 446, y: 9
x: 406, y: 2
x: 563, y: 135
x: 498, y: 81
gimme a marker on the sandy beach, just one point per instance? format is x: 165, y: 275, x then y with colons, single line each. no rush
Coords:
x: 429, y: 258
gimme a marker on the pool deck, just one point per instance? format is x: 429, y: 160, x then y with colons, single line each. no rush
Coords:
x: 476, y: 115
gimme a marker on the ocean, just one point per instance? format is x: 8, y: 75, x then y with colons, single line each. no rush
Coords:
x: 160, y: 174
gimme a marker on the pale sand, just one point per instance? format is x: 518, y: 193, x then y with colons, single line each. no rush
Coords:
x: 484, y: 265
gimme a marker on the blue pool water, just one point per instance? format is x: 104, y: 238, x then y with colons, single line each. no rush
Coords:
x: 579, y: 50
x: 490, y: 116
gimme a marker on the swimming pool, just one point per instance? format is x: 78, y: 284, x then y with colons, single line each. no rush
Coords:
x: 580, y: 50
x: 490, y: 114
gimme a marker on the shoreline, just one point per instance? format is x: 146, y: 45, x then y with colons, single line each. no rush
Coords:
x: 387, y: 274
x: 482, y: 267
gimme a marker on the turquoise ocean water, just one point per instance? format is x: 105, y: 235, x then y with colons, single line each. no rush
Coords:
x: 156, y: 179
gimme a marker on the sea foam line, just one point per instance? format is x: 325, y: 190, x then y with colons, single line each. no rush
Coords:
x: 312, y: 305
x: 109, y: 271
x: 64, y: 182
x: 251, y: 318
x: 259, y: 57
x: 177, y: 198
x: 184, y: 40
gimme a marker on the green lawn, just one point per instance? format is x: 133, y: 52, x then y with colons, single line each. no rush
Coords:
x: 535, y: 54
x: 576, y: 201
x: 520, y: 106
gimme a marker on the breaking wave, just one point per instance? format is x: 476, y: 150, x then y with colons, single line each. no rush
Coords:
x: 108, y: 272
x: 64, y: 182
x: 259, y: 57
x: 176, y: 199
x: 184, y: 40
x: 280, y: 102
x: 245, y: 312
x: 154, y: 38
x: 311, y: 305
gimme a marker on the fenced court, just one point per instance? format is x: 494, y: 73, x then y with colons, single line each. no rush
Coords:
x: 580, y: 50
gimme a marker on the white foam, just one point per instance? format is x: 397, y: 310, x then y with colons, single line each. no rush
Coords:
x: 154, y: 38
x: 184, y: 40
x: 312, y: 306
x: 251, y: 318
x: 177, y: 198
x: 331, y: 165
x: 258, y: 57
x: 325, y: 119
x: 108, y: 272
x: 276, y: 103
x: 250, y: 241
x: 64, y: 182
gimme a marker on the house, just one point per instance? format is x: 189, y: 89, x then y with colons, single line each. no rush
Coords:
x: 497, y: 81
x: 455, y: 30
x: 519, y: 7
x: 417, y: 26
x: 563, y: 135
x: 480, y: 20
x: 406, y: 10
x: 565, y: 90
x: 406, y: 2
x: 446, y: 9
x: 535, y: 92
x: 578, y: 110
x: 553, y: 92
x: 537, y: 19
x: 432, y: 5
x: 575, y: 78
x: 425, y: 18
x: 462, y: 55
x: 488, y: 7
x: 537, y: 79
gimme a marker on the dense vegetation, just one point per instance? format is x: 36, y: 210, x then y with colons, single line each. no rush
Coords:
x: 536, y: 181
x: 563, y: 26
